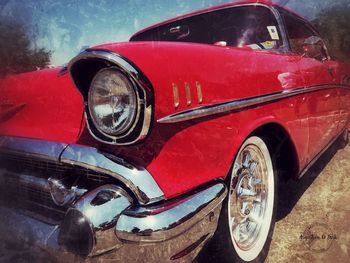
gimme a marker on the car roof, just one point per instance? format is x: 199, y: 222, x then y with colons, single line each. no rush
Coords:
x: 217, y: 7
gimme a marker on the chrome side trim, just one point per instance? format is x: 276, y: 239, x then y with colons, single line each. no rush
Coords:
x: 160, y: 223
x: 138, y: 180
x: 141, y: 84
x: 240, y: 104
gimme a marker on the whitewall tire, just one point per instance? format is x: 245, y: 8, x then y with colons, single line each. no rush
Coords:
x: 248, y: 214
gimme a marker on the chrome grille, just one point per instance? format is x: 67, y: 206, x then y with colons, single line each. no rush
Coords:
x: 96, y: 177
x: 45, y: 168
x: 29, y: 193
x: 36, y: 195
x: 26, y: 163
x: 18, y: 172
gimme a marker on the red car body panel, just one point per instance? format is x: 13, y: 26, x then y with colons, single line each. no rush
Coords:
x: 204, y: 150
x: 52, y: 108
x: 184, y: 155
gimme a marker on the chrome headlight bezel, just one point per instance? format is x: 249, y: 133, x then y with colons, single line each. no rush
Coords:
x: 84, y: 67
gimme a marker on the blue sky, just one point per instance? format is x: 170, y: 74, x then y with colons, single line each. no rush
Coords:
x: 65, y: 26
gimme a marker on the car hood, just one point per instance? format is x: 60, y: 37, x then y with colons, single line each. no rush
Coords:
x: 169, y: 63
x: 41, y: 104
x: 188, y: 66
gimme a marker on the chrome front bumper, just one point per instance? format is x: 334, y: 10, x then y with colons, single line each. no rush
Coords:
x: 109, y: 221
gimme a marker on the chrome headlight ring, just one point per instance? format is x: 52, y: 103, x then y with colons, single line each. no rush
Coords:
x: 125, y: 116
x: 113, y: 102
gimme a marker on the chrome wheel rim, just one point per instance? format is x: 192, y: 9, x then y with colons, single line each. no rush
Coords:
x: 251, y: 195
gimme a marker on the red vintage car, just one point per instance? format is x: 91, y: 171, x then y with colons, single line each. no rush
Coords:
x: 148, y: 150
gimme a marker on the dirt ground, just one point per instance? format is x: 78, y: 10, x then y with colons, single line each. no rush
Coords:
x: 314, y: 214
x: 313, y: 217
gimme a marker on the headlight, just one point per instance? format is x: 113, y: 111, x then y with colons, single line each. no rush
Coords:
x: 118, y: 97
x: 112, y: 102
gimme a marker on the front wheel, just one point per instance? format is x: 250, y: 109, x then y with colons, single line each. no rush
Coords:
x: 248, y: 214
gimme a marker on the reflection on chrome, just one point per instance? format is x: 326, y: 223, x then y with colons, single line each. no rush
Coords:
x: 160, y: 223
x: 111, y: 221
x: 100, y: 208
x: 63, y: 194
x: 138, y: 180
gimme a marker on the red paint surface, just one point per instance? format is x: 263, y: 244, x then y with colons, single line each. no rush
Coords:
x: 52, y: 109
x: 183, y: 155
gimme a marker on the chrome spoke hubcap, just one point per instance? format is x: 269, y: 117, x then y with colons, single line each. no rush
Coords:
x: 249, y: 205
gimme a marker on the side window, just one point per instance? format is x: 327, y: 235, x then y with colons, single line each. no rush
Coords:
x: 244, y: 26
x: 250, y: 26
x: 303, y: 40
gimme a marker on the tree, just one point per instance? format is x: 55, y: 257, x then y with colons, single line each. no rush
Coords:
x: 334, y: 27
x: 16, y: 52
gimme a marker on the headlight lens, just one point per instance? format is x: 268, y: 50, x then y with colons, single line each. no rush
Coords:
x: 112, y: 102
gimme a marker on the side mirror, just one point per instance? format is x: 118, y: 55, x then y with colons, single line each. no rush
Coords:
x: 313, y: 48
x: 312, y: 51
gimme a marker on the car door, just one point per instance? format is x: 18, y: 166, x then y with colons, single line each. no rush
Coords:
x: 342, y: 81
x: 319, y: 81
x: 343, y: 73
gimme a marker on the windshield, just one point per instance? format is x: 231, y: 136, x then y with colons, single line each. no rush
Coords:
x: 253, y: 26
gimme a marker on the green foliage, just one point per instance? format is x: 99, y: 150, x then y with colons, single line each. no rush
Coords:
x: 334, y: 27
x: 16, y: 53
